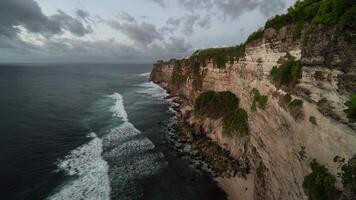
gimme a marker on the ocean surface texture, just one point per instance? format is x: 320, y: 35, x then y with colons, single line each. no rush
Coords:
x: 97, y: 132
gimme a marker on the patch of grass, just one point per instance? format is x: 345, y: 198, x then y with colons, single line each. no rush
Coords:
x: 258, y: 99
x: 287, y: 74
x: 236, y: 122
x: 320, y: 183
x: 215, y: 104
x: 351, y: 108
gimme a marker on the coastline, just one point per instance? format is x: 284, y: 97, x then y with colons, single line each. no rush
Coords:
x: 231, y: 175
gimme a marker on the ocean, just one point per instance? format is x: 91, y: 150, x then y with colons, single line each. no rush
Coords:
x: 91, y: 131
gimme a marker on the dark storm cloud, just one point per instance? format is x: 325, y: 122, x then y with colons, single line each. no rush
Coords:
x: 69, y: 23
x: 28, y: 14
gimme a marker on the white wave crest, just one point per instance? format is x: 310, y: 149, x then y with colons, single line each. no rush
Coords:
x: 152, y: 89
x: 91, y: 171
x: 118, y: 109
x: 131, y: 156
x: 145, y: 74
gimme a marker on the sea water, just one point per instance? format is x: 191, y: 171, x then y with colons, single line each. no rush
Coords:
x: 90, y: 131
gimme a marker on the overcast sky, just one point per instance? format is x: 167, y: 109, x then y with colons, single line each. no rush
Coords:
x: 125, y: 30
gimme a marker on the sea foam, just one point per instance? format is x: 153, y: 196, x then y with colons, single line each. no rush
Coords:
x: 90, y: 171
x: 152, y: 89
x: 118, y: 109
x: 145, y: 74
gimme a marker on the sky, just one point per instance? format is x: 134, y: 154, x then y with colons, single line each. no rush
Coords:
x: 125, y: 31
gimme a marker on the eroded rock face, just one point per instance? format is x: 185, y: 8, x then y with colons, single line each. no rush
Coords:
x: 279, y: 145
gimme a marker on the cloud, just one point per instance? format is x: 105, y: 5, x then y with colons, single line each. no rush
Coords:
x: 193, y: 5
x: 174, y: 21
x: 127, y: 17
x: 28, y: 14
x: 234, y: 8
x: 159, y: 2
x: 142, y: 34
x: 82, y: 14
x: 188, y: 23
x: 177, y: 45
x: 73, y: 25
x: 205, y: 22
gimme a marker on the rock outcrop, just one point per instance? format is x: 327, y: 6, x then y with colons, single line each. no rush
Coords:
x: 280, y: 143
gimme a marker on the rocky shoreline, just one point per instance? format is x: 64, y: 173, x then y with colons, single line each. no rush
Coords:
x: 206, y: 154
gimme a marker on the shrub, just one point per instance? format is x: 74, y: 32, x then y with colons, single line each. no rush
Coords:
x: 348, y: 19
x: 177, y: 78
x: 351, y: 108
x: 348, y: 174
x: 278, y: 21
x: 220, y: 55
x: 320, y: 183
x: 220, y: 59
x: 255, y: 35
x: 297, y: 30
x: 296, y: 103
x: 259, y: 172
x: 287, y: 98
x: 236, y: 122
x: 288, y: 73
x: 327, y: 12
x: 258, y: 99
x: 215, y: 104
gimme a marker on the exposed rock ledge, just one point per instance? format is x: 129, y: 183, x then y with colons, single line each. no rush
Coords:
x: 278, y: 145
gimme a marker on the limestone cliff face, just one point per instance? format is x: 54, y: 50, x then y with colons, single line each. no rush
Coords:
x: 280, y: 143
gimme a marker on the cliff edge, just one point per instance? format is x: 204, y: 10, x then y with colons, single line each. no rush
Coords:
x: 293, y: 87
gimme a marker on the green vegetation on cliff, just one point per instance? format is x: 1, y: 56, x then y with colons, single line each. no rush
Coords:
x: 235, y: 122
x: 220, y: 56
x: 258, y: 99
x: 287, y: 74
x: 215, y: 104
x: 255, y: 35
x: 348, y: 174
x: 340, y: 13
x: 320, y: 183
x: 223, y: 104
x: 327, y: 12
x: 351, y: 108
x: 177, y: 77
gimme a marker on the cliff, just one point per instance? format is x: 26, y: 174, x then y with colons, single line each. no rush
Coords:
x: 281, y: 140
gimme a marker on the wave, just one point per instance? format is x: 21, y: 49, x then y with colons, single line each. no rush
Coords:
x: 91, y: 172
x: 152, y: 89
x: 118, y: 109
x: 129, y: 152
x: 109, y: 167
x: 145, y: 74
